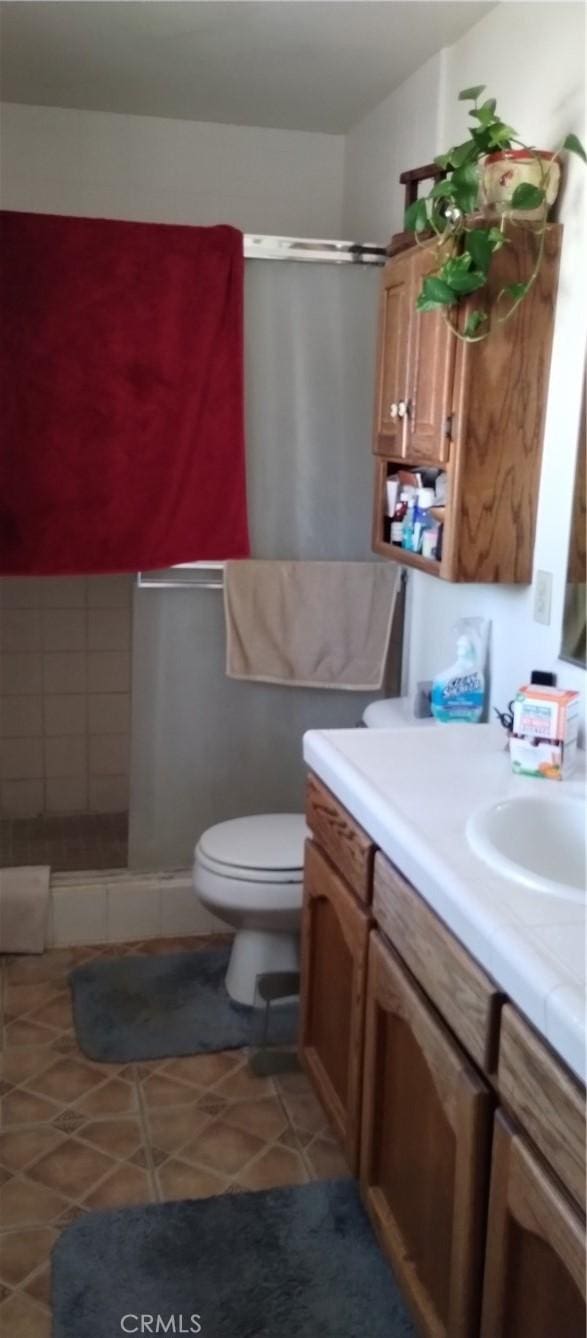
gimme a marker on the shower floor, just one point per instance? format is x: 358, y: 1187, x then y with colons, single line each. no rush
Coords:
x: 83, y: 841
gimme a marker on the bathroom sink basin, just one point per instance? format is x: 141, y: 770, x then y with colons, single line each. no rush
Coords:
x: 537, y: 842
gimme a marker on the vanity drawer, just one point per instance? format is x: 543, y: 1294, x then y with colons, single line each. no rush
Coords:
x: 546, y: 1100
x: 467, y: 999
x: 348, y: 846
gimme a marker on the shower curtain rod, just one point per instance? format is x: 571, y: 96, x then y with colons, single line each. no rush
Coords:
x: 261, y: 247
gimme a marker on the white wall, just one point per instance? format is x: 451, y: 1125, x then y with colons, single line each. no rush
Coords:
x: 532, y: 58
x: 155, y: 170
x: 400, y: 132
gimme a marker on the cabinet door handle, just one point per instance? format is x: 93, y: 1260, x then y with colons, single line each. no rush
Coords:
x: 394, y: 410
x: 403, y: 408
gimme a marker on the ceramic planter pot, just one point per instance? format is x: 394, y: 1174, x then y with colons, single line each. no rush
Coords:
x: 502, y: 172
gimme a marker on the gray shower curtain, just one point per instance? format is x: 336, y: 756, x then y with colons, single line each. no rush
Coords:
x: 203, y: 747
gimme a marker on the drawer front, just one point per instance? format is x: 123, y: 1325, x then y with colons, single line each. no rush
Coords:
x: 467, y: 999
x: 348, y: 846
x: 546, y: 1100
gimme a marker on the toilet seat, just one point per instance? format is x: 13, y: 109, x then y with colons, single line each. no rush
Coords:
x: 239, y: 874
x: 266, y: 848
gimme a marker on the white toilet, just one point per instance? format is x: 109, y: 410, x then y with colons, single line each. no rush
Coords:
x: 249, y: 873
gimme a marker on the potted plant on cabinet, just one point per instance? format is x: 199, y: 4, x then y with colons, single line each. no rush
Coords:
x: 491, y: 178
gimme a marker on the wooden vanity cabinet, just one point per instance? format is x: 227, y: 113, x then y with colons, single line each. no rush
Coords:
x: 534, y: 1282
x: 425, y: 1150
x: 335, y: 934
x: 466, y: 1131
x: 475, y: 411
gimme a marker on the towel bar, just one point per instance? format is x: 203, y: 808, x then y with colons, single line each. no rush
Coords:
x: 198, y: 576
x: 186, y: 576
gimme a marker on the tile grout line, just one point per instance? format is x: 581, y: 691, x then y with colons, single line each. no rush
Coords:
x: 300, y: 1148
x: 146, y: 1135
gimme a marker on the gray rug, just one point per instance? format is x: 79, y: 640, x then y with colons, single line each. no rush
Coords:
x: 133, y: 1008
x: 283, y: 1263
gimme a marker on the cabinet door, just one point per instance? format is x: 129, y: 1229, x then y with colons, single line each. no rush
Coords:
x: 335, y: 934
x: 534, y: 1283
x: 424, y: 1151
x: 392, y: 357
x: 430, y: 374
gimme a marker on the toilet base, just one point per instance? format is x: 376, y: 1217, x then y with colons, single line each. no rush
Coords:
x: 253, y: 953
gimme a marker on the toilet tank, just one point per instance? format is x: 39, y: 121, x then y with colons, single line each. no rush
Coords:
x: 393, y: 713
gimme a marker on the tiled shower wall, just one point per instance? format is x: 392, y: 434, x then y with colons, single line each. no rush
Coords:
x: 65, y: 645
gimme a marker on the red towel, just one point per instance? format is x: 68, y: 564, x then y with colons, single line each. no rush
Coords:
x: 121, y: 376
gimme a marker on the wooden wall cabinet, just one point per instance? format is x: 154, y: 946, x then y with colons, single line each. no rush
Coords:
x: 394, y: 322
x: 475, y: 411
x: 415, y: 367
x: 411, y: 1048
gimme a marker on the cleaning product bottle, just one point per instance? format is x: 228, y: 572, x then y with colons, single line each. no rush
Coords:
x: 424, y: 500
x: 408, y: 527
x: 458, y: 693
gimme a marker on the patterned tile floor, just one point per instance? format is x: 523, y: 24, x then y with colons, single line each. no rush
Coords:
x: 82, y: 841
x: 75, y: 1135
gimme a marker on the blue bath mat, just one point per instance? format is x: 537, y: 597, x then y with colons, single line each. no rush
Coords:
x: 127, y: 1009
x: 282, y: 1263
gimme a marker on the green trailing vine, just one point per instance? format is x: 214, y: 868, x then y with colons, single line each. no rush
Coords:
x: 465, y: 247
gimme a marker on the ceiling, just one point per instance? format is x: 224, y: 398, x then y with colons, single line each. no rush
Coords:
x: 291, y: 64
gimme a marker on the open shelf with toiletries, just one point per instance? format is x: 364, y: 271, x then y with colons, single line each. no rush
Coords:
x: 468, y: 414
x: 410, y: 514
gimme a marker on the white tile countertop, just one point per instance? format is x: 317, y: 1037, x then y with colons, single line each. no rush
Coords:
x: 412, y: 791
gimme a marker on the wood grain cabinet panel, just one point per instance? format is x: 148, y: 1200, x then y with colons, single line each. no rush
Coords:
x: 534, y: 1285
x: 431, y: 359
x: 425, y: 1150
x: 348, y: 846
x: 501, y: 389
x: 547, y: 1101
x: 335, y: 932
x: 392, y: 360
x: 467, y: 999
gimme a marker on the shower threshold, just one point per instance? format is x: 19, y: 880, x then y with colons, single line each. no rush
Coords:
x: 67, y: 843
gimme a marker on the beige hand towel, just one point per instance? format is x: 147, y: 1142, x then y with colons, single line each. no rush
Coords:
x: 24, y: 906
x: 309, y: 624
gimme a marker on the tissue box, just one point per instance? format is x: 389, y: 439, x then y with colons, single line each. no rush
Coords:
x: 544, y: 740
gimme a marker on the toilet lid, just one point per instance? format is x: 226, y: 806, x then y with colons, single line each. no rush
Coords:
x: 272, y: 841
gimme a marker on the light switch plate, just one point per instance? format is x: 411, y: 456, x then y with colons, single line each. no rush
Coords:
x: 543, y: 597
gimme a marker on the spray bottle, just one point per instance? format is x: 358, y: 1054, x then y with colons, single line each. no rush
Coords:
x: 458, y: 693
